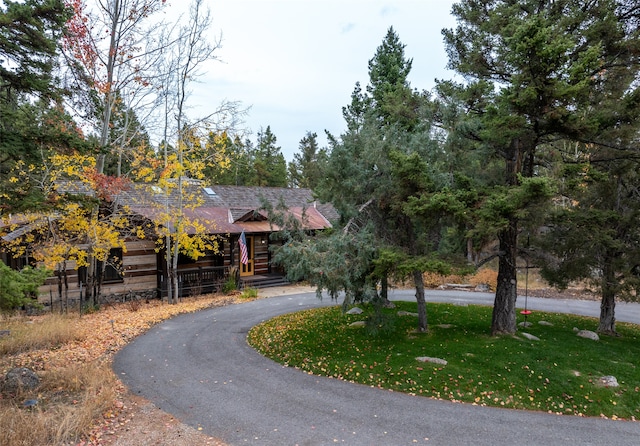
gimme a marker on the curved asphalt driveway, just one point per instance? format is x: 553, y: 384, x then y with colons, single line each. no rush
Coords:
x: 199, y: 368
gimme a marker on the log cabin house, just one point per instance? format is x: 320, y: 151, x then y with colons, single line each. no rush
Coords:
x: 226, y: 211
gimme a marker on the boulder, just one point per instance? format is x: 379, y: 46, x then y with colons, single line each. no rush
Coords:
x: 357, y: 324
x: 587, y: 334
x: 407, y: 313
x: 608, y: 381
x: 20, y: 378
x: 545, y: 323
x: 529, y: 336
x: 431, y: 360
x: 355, y: 310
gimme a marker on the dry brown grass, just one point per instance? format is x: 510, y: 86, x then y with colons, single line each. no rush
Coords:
x: 40, y: 332
x: 69, y: 400
x: 79, y: 397
x: 533, y: 281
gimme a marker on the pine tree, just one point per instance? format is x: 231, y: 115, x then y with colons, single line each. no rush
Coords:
x: 29, y: 35
x: 308, y: 164
x: 380, y: 163
x: 536, y: 72
x: 269, y: 167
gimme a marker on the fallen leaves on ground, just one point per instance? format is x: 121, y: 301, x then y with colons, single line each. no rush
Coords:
x: 103, y: 334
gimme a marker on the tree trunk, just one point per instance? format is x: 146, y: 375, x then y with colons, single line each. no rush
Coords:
x: 422, y: 305
x: 608, y: 302
x: 504, y: 307
x: 168, y: 269
x: 174, y: 270
x: 384, y: 292
x: 470, y: 257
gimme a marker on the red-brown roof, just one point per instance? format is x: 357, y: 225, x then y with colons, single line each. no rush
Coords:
x: 231, y: 209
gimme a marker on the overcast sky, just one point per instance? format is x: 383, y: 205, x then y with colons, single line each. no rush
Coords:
x: 296, y: 62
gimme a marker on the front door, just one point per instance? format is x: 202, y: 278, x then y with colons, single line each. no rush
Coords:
x: 247, y: 269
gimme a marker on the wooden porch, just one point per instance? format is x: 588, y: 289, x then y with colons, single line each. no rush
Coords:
x: 205, y: 280
x: 263, y: 281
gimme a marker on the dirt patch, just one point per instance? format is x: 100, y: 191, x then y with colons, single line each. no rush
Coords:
x: 141, y: 423
x: 570, y: 293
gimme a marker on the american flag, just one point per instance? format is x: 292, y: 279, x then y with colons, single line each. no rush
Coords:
x: 244, y: 256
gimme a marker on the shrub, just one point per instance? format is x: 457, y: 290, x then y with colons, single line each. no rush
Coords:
x: 18, y: 288
x: 434, y: 280
x: 249, y: 293
x: 485, y: 276
x: 230, y: 285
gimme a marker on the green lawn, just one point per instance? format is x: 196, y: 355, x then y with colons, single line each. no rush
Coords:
x: 559, y: 373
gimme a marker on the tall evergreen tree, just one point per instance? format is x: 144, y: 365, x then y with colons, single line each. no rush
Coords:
x: 31, y: 116
x: 269, y: 167
x: 593, y: 234
x: 235, y: 170
x: 389, y: 90
x: 308, y: 164
x: 29, y: 36
x: 537, y: 71
x: 380, y: 163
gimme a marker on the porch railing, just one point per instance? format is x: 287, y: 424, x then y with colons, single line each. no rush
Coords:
x: 196, y: 281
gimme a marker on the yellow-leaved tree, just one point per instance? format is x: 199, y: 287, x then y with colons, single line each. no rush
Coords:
x: 169, y: 191
x: 79, y: 222
x: 176, y: 169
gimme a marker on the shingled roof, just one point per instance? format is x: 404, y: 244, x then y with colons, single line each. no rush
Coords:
x: 232, y: 209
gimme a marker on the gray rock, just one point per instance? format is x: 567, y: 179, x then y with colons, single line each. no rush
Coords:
x: 529, y: 336
x: 4, y: 333
x: 355, y: 310
x: 548, y: 324
x: 20, y: 378
x: 525, y: 324
x: 27, y: 404
x: 445, y: 325
x: 482, y: 287
x: 407, y: 313
x: 357, y: 324
x: 431, y: 360
x: 587, y: 334
x: 608, y: 381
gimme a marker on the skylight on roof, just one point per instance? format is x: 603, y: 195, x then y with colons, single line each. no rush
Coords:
x: 209, y: 191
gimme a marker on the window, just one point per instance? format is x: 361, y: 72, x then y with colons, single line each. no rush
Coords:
x: 111, y: 270
x: 18, y: 263
x: 184, y: 259
x: 113, y: 266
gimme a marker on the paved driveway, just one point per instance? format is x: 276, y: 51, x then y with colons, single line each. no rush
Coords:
x: 199, y: 368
